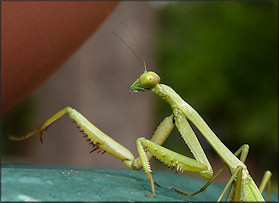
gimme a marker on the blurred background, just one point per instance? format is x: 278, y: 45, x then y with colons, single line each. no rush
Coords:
x: 220, y: 57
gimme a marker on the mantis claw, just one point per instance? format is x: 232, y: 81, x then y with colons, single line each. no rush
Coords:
x: 156, y: 183
x: 41, y: 137
x: 95, y: 148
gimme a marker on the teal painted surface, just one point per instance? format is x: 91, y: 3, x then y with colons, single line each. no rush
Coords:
x: 40, y: 183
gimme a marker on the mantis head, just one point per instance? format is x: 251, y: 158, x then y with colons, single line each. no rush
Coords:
x: 146, y: 81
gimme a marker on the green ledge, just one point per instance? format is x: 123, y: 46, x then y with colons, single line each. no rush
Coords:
x: 41, y: 183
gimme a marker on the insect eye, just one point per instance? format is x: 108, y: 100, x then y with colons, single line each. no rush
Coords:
x: 149, y: 79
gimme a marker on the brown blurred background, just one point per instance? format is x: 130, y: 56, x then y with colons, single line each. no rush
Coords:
x: 95, y: 81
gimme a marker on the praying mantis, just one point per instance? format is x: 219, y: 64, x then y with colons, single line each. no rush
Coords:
x: 241, y: 186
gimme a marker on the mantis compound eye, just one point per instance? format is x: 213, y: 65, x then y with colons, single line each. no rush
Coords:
x: 146, y: 81
x: 149, y: 79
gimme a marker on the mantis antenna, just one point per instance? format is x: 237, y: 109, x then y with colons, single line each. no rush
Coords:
x: 140, y: 60
x: 127, y: 27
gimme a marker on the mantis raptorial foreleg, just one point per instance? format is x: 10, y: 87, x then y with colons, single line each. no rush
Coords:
x: 168, y: 157
x: 191, y: 140
x: 100, y: 140
x: 146, y: 148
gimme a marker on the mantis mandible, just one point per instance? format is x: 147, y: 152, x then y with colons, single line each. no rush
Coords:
x: 242, y: 186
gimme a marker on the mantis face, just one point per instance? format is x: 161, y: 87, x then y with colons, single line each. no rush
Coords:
x: 146, y: 81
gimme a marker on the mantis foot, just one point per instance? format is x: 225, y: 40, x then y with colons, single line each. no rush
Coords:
x: 148, y: 195
x: 181, y: 192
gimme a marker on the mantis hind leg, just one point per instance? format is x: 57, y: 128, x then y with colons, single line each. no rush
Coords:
x: 238, y: 188
x: 237, y: 173
x: 266, y: 183
x: 235, y: 189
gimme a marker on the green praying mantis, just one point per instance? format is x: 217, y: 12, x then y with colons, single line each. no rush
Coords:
x: 241, y: 186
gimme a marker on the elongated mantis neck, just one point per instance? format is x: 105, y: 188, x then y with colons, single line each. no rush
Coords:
x: 178, y: 104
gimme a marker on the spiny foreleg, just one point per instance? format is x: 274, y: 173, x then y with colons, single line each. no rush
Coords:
x: 96, y: 137
x: 166, y: 156
x: 101, y: 141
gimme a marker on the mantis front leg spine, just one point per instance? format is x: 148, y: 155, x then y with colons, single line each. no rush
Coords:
x: 101, y: 140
